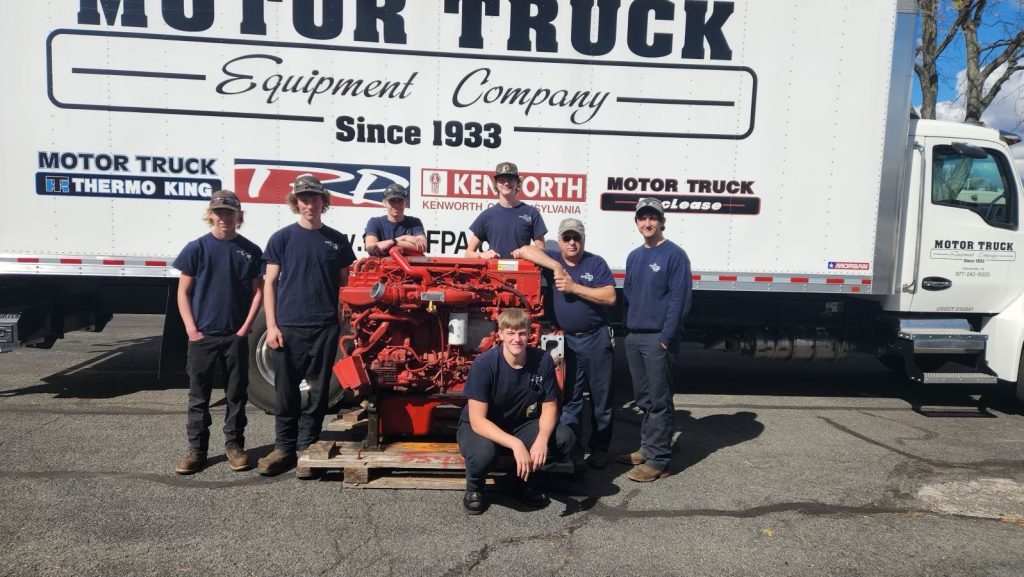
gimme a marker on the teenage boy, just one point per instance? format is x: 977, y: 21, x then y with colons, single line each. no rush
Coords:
x: 307, y: 262
x: 512, y: 405
x: 585, y: 289
x: 509, y: 224
x: 394, y: 228
x: 657, y: 292
x: 219, y: 295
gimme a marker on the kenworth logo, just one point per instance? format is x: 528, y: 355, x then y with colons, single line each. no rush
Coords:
x: 268, y: 181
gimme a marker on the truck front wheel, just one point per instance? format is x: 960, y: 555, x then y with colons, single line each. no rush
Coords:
x: 261, y: 372
x: 1018, y: 388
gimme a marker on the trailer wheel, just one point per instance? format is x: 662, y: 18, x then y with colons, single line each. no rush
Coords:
x: 261, y: 372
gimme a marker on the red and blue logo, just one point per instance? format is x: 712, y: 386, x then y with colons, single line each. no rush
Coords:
x: 268, y: 181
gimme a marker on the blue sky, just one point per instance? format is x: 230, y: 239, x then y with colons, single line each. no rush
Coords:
x: 1002, y: 20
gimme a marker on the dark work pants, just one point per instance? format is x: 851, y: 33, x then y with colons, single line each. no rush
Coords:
x: 650, y: 366
x: 588, y: 364
x: 480, y: 452
x: 231, y: 353
x: 308, y: 353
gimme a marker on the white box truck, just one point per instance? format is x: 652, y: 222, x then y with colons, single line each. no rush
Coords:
x: 819, y: 216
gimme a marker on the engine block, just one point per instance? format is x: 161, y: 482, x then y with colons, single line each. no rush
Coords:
x: 412, y: 326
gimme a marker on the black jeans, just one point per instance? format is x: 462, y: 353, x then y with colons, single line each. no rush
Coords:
x: 308, y: 353
x: 231, y: 353
x: 480, y: 452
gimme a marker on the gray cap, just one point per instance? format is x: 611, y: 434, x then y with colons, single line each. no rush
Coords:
x: 652, y: 204
x: 307, y: 183
x: 571, y: 225
x: 225, y: 199
x: 396, y: 190
x: 506, y: 169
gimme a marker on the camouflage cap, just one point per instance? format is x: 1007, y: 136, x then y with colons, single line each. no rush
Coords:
x: 396, y: 190
x: 571, y: 225
x: 225, y: 199
x: 506, y: 169
x: 652, y: 204
x: 307, y: 183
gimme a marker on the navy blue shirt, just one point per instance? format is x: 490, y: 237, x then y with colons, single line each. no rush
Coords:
x: 384, y: 229
x: 223, y: 271
x: 657, y: 290
x: 508, y: 229
x: 511, y: 393
x: 307, y: 285
x: 573, y: 313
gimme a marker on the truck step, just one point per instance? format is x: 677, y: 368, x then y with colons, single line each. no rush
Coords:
x: 956, y: 378
x: 927, y: 340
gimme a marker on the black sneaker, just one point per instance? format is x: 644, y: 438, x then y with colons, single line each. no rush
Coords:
x: 598, y: 459
x: 474, y: 502
x: 527, y: 495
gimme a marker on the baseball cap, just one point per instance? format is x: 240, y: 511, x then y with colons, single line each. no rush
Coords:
x: 225, y: 199
x: 650, y: 203
x: 395, y: 190
x: 306, y: 183
x: 571, y: 225
x: 506, y: 169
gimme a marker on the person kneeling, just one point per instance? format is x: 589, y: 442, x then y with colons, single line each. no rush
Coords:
x: 512, y: 403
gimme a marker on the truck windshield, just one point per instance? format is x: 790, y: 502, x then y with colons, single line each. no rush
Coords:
x: 980, y: 185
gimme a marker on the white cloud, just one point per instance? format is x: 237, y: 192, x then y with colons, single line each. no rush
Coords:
x: 1005, y: 113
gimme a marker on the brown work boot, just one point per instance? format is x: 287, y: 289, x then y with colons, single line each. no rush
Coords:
x: 238, y: 459
x: 645, y: 474
x: 191, y: 463
x: 277, y: 462
x: 634, y: 458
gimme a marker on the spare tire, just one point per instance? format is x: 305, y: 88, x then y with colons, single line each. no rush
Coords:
x: 261, y: 372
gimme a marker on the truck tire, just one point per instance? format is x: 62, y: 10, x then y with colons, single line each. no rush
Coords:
x: 1018, y: 387
x: 261, y: 373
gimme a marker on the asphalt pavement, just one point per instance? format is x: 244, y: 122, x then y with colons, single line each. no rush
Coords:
x: 779, y: 469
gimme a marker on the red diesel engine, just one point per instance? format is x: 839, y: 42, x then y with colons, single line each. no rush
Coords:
x: 412, y: 326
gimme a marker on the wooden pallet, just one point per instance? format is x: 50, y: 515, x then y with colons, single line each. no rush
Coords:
x: 400, y: 465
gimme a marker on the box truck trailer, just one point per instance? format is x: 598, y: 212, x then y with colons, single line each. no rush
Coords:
x: 820, y: 216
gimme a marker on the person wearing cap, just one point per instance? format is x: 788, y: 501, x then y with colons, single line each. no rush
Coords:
x: 306, y: 264
x: 507, y: 225
x: 585, y: 289
x: 656, y: 293
x: 219, y: 293
x: 394, y: 228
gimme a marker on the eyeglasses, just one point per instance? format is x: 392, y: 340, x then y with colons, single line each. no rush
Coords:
x: 572, y: 238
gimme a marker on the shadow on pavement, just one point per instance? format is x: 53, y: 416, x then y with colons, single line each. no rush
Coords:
x: 128, y: 367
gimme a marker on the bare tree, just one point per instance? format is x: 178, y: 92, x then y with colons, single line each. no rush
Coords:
x: 931, y: 48
x: 989, y: 64
x: 985, y: 62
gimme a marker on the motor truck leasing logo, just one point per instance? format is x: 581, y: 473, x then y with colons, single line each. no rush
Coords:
x: 479, y: 185
x: 698, y: 196
x: 842, y: 265
x: 655, y: 267
x: 587, y: 277
x: 269, y: 181
x: 108, y: 175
